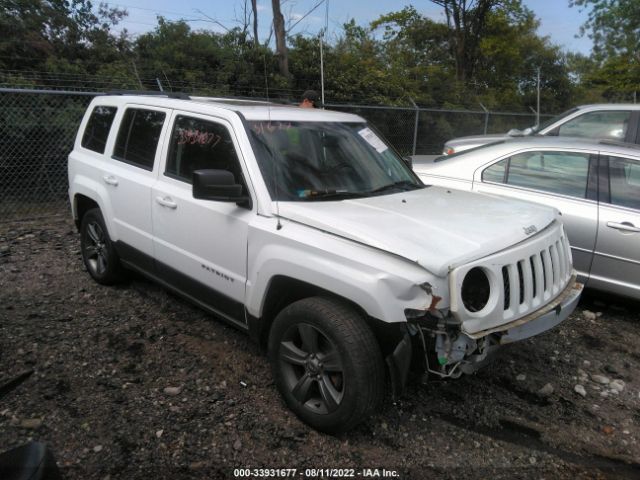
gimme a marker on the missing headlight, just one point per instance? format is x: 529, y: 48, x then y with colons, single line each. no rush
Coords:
x: 475, y: 290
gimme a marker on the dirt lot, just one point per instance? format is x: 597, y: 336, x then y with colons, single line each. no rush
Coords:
x: 103, y: 357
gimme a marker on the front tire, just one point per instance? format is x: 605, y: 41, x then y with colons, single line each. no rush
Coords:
x: 98, y: 253
x: 326, y: 363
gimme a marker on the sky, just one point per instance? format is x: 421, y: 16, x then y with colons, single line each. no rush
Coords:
x: 558, y: 21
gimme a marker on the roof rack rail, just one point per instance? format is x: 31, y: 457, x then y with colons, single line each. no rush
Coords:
x: 179, y: 95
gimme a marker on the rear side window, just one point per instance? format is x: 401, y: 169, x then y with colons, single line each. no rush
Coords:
x: 199, y: 144
x: 97, y: 130
x: 138, y: 137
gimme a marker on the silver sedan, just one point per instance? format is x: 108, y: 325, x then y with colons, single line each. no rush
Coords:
x: 594, y: 184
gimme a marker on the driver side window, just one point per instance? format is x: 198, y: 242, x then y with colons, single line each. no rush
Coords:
x: 198, y: 144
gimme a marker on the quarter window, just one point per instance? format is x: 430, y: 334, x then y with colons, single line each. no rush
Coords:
x: 606, y: 124
x: 624, y: 175
x: 138, y: 137
x: 564, y: 173
x: 199, y: 144
x: 97, y: 130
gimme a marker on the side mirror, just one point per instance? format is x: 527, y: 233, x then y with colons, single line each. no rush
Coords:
x: 408, y: 161
x: 218, y: 185
x: 514, y: 132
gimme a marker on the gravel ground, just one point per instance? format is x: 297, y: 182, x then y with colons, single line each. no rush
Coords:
x: 131, y: 382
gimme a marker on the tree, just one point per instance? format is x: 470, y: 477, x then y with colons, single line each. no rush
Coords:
x: 58, y: 32
x: 614, y: 27
x: 254, y: 9
x: 466, y: 20
x: 511, y: 51
x: 281, y: 37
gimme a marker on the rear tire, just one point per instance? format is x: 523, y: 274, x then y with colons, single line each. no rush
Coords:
x: 326, y: 363
x: 98, y: 253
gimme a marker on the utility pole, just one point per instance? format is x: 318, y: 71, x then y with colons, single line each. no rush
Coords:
x: 322, y: 32
x: 538, y: 104
x: 321, y: 68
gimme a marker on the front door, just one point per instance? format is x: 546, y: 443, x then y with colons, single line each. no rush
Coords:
x: 201, y: 245
x: 560, y: 179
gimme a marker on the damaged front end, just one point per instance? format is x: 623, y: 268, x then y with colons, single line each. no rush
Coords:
x: 447, y: 352
x: 435, y: 340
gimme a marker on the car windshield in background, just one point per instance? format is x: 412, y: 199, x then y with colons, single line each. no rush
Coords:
x: 303, y: 161
x: 553, y: 120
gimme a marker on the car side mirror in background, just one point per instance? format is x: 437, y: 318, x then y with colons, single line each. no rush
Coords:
x: 514, y: 132
x: 217, y: 185
x: 408, y: 161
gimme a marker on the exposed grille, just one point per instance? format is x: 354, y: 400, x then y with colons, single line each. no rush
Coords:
x: 523, y: 279
x: 532, y: 280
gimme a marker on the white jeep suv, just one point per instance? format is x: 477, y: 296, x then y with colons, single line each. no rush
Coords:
x: 304, y: 228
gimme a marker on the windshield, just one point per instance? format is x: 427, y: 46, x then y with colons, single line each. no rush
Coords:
x: 553, y: 120
x: 310, y: 161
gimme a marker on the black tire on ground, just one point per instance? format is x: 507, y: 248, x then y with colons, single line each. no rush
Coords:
x: 326, y: 363
x: 98, y: 253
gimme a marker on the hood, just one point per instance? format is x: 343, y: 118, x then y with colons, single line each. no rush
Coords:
x: 434, y: 227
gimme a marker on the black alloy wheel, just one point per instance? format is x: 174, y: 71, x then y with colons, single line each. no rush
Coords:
x: 312, y: 368
x: 98, y: 253
x: 326, y: 363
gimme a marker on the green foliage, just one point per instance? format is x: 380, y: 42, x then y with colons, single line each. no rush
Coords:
x: 34, y: 31
x: 614, y: 27
x: 400, y: 58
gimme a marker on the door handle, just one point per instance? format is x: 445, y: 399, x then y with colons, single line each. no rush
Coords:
x: 111, y: 180
x: 624, y: 226
x: 167, y: 202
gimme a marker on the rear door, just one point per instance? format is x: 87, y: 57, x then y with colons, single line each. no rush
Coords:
x: 616, y: 264
x: 201, y: 245
x: 129, y: 176
x: 562, y: 179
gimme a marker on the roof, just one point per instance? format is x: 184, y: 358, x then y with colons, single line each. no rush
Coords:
x: 610, y: 106
x: 507, y: 145
x: 249, y: 109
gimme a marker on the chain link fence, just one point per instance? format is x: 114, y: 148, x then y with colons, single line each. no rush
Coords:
x: 38, y: 129
x: 423, y: 131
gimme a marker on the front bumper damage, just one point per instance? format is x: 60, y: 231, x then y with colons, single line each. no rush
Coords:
x: 448, y: 351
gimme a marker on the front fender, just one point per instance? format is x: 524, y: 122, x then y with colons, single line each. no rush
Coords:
x: 382, y: 284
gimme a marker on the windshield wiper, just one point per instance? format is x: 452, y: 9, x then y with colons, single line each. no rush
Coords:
x: 332, y: 195
x: 404, y: 185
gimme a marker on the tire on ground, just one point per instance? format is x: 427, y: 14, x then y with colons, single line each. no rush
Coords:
x: 341, y: 328
x: 98, y: 252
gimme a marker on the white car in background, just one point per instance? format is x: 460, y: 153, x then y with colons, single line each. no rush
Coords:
x: 607, y: 121
x: 595, y: 185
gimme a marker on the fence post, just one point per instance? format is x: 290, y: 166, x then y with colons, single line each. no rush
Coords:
x: 415, y: 126
x: 486, y: 118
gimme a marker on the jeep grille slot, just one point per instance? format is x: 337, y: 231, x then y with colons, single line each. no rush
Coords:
x: 505, y: 284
